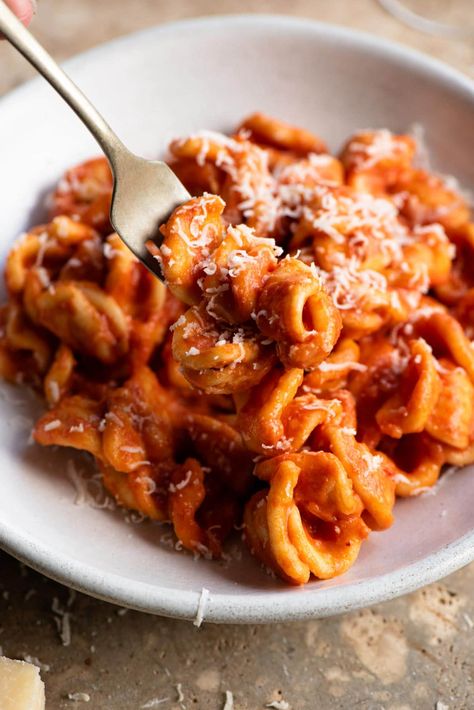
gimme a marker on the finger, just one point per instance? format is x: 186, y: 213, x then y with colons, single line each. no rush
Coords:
x: 23, y: 9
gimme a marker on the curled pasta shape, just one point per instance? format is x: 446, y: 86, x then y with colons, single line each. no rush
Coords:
x: 459, y: 457
x: 369, y: 471
x: 416, y: 463
x: 81, y: 315
x: 334, y: 372
x: 274, y: 420
x: 58, y: 379
x: 247, y: 185
x: 187, y: 493
x: 85, y: 193
x: 73, y: 422
x: 218, y: 446
x: 217, y: 359
x: 408, y: 409
x: 57, y: 249
x: 192, y: 232
x: 451, y: 419
x: 137, y: 430
x: 460, y: 282
x: 22, y: 337
x: 202, y: 517
x: 309, y: 520
x: 376, y: 160
x: 295, y: 311
x: 141, y: 297
x: 340, y: 225
x: 137, y: 490
x: 424, y: 198
x: 299, y: 181
x: 446, y: 336
x: 235, y: 274
x: 271, y: 131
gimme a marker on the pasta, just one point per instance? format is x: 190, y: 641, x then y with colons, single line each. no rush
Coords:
x: 307, y: 359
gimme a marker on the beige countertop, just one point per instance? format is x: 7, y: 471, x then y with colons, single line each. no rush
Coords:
x: 413, y: 653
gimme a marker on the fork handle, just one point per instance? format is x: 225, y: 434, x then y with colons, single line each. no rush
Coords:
x: 31, y: 49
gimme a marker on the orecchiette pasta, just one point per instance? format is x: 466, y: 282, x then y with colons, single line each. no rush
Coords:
x: 308, y: 358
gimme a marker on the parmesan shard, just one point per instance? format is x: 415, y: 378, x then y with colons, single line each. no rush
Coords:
x: 21, y: 687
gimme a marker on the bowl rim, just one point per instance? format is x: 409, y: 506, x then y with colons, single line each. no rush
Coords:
x: 266, y: 606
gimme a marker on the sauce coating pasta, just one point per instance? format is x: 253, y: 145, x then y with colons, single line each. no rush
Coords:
x: 308, y: 359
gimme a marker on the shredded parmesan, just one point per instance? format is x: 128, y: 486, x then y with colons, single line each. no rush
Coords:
x: 76, y: 428
x: 132, y: 449
x: 179, y: 691
x: 202, y: 605
x: 337, y: 366
x: 79, y: 697
x: 278, y: 705
x: 173, y: 487
x: 63, y: 623
x: 467, y: 619
x: 36, y: 662
x: 229, y: 701
x: 193, y: 351
x: 153, y: 703
x: 55, y: 424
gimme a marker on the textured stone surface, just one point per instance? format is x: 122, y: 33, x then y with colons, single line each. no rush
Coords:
x: 412, y: 653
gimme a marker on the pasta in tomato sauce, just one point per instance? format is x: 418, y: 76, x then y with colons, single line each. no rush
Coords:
x: 307, y: 359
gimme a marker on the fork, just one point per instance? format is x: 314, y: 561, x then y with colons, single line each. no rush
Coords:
x: 145, y: 192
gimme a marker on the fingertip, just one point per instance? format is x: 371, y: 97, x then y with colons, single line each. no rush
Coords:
x: 23, y: 9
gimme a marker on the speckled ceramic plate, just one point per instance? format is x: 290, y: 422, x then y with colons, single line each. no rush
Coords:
x: 151, y: 86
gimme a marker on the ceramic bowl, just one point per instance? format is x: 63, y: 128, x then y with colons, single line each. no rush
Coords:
x: 152, y: 86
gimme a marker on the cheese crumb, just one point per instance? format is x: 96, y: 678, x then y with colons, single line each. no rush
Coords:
x: 55, y: 424
x: 153, y: 703
x: 201, y: 610
x: 36, y: 662
x: 180, y: 692
x: 79, y: 697
x: 21, y: 687
x: 63, y: 622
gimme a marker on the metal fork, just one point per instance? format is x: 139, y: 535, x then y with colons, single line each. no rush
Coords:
x: 145, y: 192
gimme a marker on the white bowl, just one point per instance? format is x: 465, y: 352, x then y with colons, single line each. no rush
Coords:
x: 151, y: 86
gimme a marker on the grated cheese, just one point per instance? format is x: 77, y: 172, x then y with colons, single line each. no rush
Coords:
x: 349, y: 431
x: 79, y: 697
x: 78, y: 428
x: 337, y: 366
x: 193, y: 351
x: 384, y: 145
x: 469, y: 621
x: 202, y: 605
x: 63, y: 623
x: 153, y: 703
x: 150, y: 483
x: 55, y: 424
x: 43, y: 277
x: 82, y: 485
x: 229, y: 701
x: 112, y: 417
x: 179, y: 690
x: 278, y: 705
x: 173, y: 487
x: 36, y: 662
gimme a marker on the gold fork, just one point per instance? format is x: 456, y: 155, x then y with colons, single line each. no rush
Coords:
x: 145, y: 191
